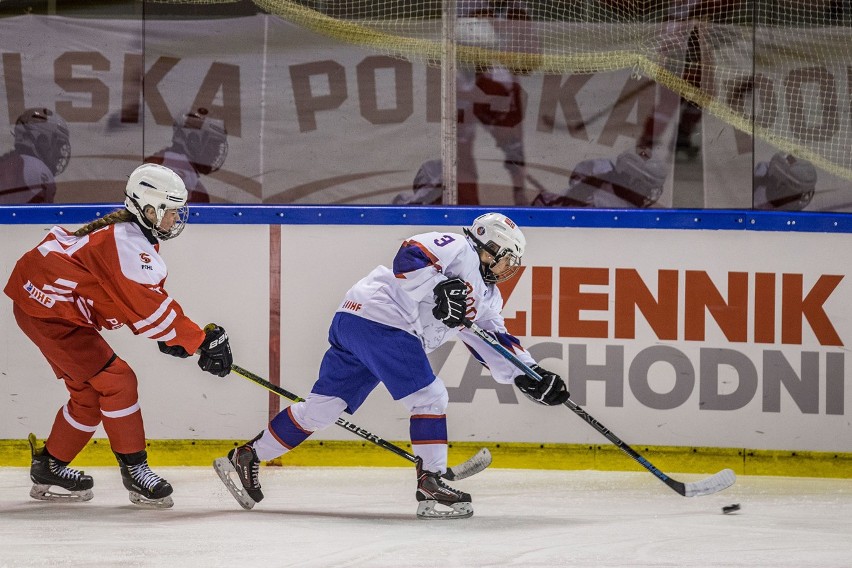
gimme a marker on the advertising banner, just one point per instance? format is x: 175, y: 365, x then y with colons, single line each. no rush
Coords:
x: 730, y: 339
x: 257, y: 110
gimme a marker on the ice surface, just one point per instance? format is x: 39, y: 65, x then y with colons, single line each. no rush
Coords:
x: 364, y: 517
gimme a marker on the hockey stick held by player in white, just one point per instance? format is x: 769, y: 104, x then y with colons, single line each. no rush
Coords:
x: 713, y: 484
x: 471, y: 466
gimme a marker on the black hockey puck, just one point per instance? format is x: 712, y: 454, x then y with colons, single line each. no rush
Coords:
x: 731, y: 508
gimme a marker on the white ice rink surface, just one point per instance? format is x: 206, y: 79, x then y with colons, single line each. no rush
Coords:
x: 359, y: 517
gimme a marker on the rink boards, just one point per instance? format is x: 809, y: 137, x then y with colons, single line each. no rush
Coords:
x: 713, y: 338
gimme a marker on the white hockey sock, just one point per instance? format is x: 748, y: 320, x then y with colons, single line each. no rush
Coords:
x: 267, y: 447
x: 434, y: 456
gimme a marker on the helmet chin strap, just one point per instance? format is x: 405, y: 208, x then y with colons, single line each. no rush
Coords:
x: 147, y: 223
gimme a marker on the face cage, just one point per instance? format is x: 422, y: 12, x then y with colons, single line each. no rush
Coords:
x: 177, y: 228
x: 507, y: 255
x: 206, y: 151
x: 513, y: 265
x: 62, y: 158
x: 218, y: 149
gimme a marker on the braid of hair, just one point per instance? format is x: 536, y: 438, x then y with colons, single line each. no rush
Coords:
x: 117, y: 216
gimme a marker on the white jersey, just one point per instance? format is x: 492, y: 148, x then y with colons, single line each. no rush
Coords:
x: 402, y: 297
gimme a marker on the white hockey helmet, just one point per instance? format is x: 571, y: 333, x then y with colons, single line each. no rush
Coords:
x: 791, y: 182
x: 202, y: 138
x: 160, y: 189
x: 497, y: 235
x: 42, y: 133
x: 643, y: 176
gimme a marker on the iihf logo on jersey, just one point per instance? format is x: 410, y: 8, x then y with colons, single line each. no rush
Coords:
x: 146, y: 261
x: 36, y: 294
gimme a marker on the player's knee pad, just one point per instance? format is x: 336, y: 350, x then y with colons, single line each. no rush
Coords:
x: 117, y: 386
x: 317, y: 411
x: 431, y: 399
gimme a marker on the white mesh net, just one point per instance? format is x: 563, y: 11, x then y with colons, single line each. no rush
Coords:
x: 777, y: 69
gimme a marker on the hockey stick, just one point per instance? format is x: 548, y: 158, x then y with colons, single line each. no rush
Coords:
x: 471, y: 466
x: 713, y: 484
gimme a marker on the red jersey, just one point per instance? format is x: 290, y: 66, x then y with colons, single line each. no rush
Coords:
x: 109, y: 278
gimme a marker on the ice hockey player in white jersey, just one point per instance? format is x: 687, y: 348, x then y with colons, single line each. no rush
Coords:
x: 381, y: 333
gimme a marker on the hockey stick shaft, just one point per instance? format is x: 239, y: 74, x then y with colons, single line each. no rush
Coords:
x: 718, y: 482
x: 475, y: 464
x: 357, y: 430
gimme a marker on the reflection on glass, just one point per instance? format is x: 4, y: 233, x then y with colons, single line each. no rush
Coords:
x: 42, y: 151
x: 199, y: 147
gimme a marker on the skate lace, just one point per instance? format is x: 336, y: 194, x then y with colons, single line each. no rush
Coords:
x: 255, y: 474
x: 436, y: 479
x: 143, y: 475
x: 62, y: 471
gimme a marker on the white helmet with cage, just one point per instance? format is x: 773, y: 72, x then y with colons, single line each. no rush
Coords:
x: 504, y: 243
x: 790, y: 182
x: 159, y: 189
x: 202, y: 138
x: 42, y: 133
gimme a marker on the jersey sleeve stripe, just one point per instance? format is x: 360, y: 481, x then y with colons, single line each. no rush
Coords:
x: 169, y: 336
x: 412, y: 256
x: 161, y: 327
x: 67, y: 283
x: 153, y: 317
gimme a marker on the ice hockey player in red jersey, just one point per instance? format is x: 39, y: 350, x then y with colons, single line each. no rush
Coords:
x: 103, y: 276
x: 382, y: 330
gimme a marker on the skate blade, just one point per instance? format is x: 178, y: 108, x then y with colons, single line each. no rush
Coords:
x: 432, y: 510
x: 44, y: 493
x: 224, y: 468
x: 141, y: 501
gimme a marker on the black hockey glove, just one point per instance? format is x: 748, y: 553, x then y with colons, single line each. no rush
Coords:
x: 550, y: 390
x: 173, y: 350
x: 215, y: 352
x: 450, y: 302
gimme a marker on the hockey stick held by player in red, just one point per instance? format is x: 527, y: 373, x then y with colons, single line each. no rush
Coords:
x: 473, y: 465
x: 713, y: 484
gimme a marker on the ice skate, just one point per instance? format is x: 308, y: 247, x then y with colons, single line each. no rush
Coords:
x: 147, y: 489
x: 243, y: 463
x: 437, y: 500
x: 47, y: 472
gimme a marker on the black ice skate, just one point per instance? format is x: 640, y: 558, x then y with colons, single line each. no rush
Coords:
x: 46, y: 471
x: 433, y: 493
x: 147, y: 489
x: 243, y: 462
